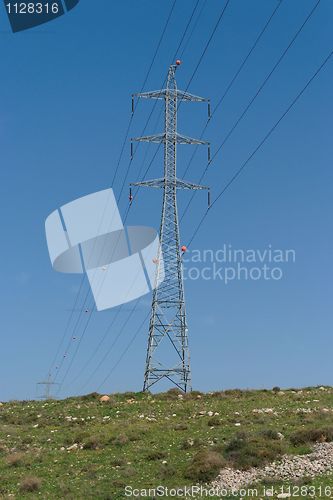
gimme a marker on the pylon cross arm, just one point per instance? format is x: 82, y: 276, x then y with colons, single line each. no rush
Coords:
x: 155, y: 94
x: 162, y: 138
x: 160, y: 183
x: 179, y: 94
x: 182, y: 139
x: 159, y: 138
x: 185, y: 96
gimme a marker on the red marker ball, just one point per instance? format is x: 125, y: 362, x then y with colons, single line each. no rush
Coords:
x: 178, y: 62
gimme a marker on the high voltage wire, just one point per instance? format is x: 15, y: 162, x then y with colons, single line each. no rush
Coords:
x: 194, y: 27
x: 248, y: 106
x: 207, y: 45
x: 127, y: 171
x: 262, y: 142
x: 199, y: 62
x: 268, y: 77
x: 81, y: 337
x: 136, y: 333
x: 106, y: 354
x: 164, y: 81
x: 103, y: 338
x: 85, y: 328
x: 203, y: 54
x: 191, y: 79
x: 107, y: 331
x: 246, y: 60
x: 193, y: 74
x: 100, y: 343
x: 119, y: 160
x: 195, y: 70
x: 233, y: 79
x: 242, y: 167
x: 66, y: 329
x: 175, y: 55
x: 131, y: 120
x: 144, y: 83
x: 234, y: 177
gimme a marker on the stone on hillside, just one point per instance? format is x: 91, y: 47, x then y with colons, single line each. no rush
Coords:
x: 73, y: 447
x: 104, y: 399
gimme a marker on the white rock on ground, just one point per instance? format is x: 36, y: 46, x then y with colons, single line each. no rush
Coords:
x: 289, y: 467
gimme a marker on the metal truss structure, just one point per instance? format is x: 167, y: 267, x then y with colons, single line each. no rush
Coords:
x: 168, y: 313
x: 47, y: 384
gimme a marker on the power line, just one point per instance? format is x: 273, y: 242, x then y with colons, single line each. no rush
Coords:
x: 234, y: 177
x: 155, y: 103
x: 100, y: 343
x: 117, y: 168
x: 205, y: 49
x: 106, y: 354
x: 248, y: 106
x: 81, y: 337
x: 129, y: 165
x: 262, y: 142
x: 143, y: 85
x: 193, y: 74
x: 240, y: 170
x: 194, y: 27
x: 197, y: 66
x: 218, y: 22
x: 199, y: 62
x: 107, y: 331
x: 124, y: 352
x: 66, y: 328
x: 173, y: 59
x: 267, y: 78
x: 233, y: 79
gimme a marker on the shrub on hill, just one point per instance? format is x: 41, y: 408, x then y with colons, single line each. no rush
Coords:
x: 204, y: 466
x: 312, y: 436
x: 246, y: 451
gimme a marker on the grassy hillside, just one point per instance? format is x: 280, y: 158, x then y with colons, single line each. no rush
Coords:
x: 81, y: 448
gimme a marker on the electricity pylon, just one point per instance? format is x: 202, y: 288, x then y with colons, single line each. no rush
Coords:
x: 168, y: 312
x: 47, y: 384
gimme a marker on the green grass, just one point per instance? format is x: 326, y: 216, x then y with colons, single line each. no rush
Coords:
x: 147, y: 440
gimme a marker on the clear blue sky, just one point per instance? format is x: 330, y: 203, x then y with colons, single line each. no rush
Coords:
x: 64, y: 109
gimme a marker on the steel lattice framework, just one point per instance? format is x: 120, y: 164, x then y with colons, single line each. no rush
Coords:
x: 168, y: 312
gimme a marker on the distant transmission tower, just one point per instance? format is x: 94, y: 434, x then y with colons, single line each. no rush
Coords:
x: 48, y: 385
x: 168, y: 312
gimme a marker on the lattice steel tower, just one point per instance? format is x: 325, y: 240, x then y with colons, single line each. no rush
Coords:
x: 168, y: 313
x: 47, y: 384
